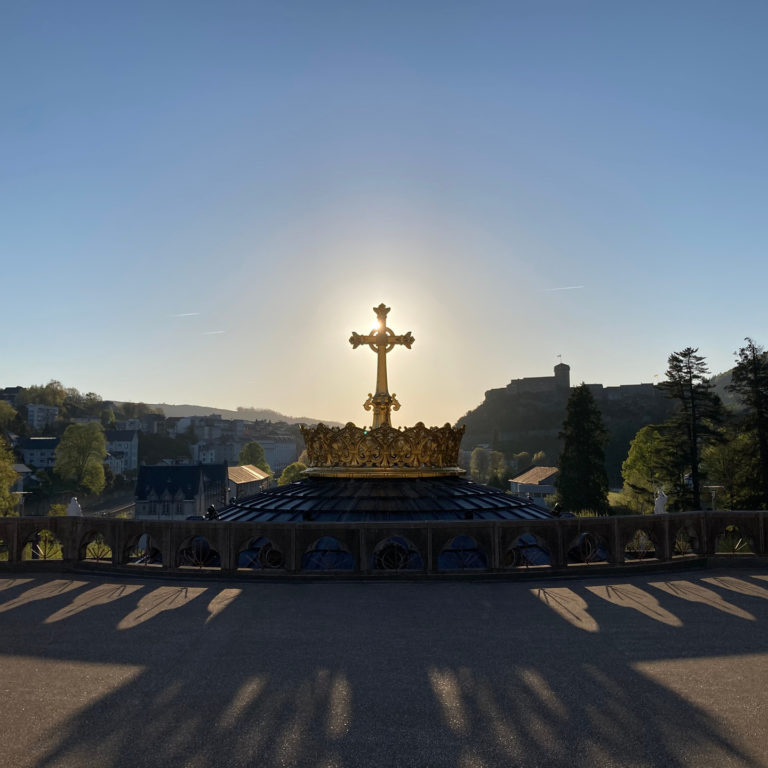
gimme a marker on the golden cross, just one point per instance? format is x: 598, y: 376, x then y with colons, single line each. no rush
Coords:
x: 381, y: 340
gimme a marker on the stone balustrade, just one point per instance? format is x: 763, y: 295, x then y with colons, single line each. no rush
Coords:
x: 411, y: 548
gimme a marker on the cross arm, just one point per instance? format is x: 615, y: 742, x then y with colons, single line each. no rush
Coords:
x: 406, y: 339
x: 356, y: 340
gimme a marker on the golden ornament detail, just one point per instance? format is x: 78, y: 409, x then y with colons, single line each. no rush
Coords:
x: 351, y: 451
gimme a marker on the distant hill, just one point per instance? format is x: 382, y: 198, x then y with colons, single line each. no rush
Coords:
x: 249, y: 414
x: 720, y: 382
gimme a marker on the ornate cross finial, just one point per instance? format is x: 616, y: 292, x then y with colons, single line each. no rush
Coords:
x: 381, y: 340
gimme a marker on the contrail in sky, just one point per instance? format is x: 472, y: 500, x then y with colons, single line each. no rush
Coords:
x: 212, y: 333
x: 185, y: 314
x: 565, y: 288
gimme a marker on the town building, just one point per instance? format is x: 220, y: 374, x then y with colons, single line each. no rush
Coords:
x: 38, y: 452
x: 122, y: 450
x: 176, y: 492
x: 204, y: 453
x: 10, y: 394
x: 23, y: 474
x: 41, y: 416
x: 210, y: 452
x: 153, y: 423
x: 535, y: 483
x: 130, y: 424
x: 246, y: 480
x: 279, y: 452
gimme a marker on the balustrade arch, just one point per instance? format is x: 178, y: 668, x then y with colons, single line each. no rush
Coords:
x: 376, y: 548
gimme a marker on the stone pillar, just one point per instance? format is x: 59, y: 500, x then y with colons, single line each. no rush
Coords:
x: 665, y: 544
x: 708, y: 536
x: 495, y: 548
x: 227, y: 543
x: 11, y: 538
x: 292, y: 562
x: 118, y: 542
x: 559, y: 555
x: 168, y: 547
x: 362, y: 550
x: 616, y: 548
x: 355, y: 550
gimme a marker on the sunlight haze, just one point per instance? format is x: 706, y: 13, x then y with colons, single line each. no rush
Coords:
x: 200, y: 202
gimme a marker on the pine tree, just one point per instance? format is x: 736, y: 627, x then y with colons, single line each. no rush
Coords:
x: 699, y: 410
x: 750, y: 382
x: 582, y: 484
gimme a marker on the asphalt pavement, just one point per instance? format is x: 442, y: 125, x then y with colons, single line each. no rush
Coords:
x: 640, y: 670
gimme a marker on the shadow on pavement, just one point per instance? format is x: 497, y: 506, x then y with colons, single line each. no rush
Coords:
x: 147, y: 673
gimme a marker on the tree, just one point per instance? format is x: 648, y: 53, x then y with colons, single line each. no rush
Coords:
x: 135, y: 410
x: 80, y: 456
x: 749, y: 381
x: 8, y: 477
x: 539, y: 459
x: 498, y: 471
x: 253, y: 453
x: 733, y: 463
x: 53, y: 393
x: 487, y: 466
x: 497, y: 463
x: 649, y: 466
x: 479, y: 464
x: 521, y: 460
x: 292, y: 473
x: 7, y: 414
x: 699, y: 410
x: 582, y: 484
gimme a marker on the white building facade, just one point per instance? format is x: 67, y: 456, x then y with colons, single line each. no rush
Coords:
x: 40, y: 416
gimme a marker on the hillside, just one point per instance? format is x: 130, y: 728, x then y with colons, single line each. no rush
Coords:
x: 511, y: 423
x: 527, y: 421
x: 721, y: 382
x: 249, y: 414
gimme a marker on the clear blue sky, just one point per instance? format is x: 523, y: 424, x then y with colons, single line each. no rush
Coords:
x: 200, y: 201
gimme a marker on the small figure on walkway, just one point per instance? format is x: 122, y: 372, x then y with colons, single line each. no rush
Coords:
x: 212, y: 513
x: 660, y: 505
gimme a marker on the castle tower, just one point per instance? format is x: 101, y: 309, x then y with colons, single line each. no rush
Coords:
x: 563, y: 378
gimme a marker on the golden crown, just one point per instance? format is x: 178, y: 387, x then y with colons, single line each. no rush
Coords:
x: 350, y: 450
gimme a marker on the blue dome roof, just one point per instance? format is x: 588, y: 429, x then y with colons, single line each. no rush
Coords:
x: 370, y: 499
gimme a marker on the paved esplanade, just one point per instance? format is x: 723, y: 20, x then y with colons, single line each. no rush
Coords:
x: 662, y: 669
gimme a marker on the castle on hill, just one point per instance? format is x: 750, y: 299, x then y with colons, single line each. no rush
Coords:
x: 558, y: 387
x: 527, y: 415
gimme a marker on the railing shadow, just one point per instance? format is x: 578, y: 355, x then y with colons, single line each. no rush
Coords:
x: 459, y: 674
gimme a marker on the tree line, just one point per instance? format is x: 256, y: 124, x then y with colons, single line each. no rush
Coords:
x: 702, y: 446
